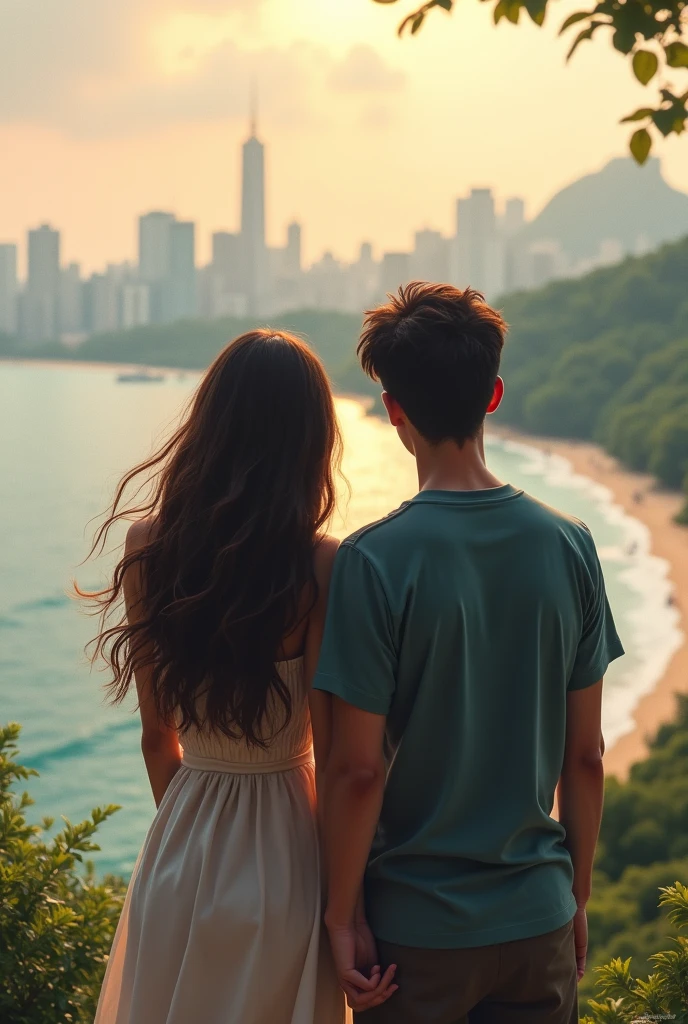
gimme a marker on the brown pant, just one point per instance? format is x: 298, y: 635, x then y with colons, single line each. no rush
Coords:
x: 529, y: 981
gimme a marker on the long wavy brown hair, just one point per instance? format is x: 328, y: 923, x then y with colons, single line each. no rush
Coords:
x: 237, y: 500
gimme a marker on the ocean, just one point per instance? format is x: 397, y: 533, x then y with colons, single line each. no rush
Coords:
x: 67, y: 433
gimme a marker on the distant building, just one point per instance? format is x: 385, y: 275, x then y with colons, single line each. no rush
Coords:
x: 135, y: 304
x: 395, y: 271
x: 221, y: 283
x: 254, y: 252
x: 9, y: 313
x: 154, y: 258
x: 292, y: 253
x: 180, y: 285
x: 71, y: 305
x: 41, y: 300
x: 478, y: 258
x: 514, y: 215
x: 430, y: 257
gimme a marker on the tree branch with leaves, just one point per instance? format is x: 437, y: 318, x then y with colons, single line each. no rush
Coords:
x: 651, y: 33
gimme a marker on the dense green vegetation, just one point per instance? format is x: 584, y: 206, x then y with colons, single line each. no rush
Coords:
x: 628, y: 999
x: 643, y: 845
x: 56, y: 922
x: 605, y: 358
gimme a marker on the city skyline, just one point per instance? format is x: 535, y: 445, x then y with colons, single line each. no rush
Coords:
x: 488, y: 247
x: 109, y: 113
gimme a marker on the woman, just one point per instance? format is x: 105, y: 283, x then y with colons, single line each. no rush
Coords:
x: 224, y: 578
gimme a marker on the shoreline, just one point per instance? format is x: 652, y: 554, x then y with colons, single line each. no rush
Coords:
x: 636, y: 495
x: 632, y: 492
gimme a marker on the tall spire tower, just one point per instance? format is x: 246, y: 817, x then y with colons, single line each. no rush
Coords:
x: 253, y: 214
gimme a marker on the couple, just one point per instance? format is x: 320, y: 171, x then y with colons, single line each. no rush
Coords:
x: 435, y: 680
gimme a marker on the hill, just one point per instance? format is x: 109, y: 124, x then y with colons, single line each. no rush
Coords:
x: 605, y: 358
x: 622, y: 201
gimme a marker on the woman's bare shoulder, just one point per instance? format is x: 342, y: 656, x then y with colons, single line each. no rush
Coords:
x: 140, y: 533
x: 323, y: 559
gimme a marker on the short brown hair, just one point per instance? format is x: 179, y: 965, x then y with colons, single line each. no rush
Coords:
x: 436, y: 350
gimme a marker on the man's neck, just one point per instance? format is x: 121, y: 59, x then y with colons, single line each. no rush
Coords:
x: 446, y: 467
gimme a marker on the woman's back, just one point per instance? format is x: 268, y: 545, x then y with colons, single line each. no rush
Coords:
x: 225, y: 573
x: 226, y: 888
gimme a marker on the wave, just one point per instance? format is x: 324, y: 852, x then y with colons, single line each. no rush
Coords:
x: 80, y: 746
x: 55, y: 600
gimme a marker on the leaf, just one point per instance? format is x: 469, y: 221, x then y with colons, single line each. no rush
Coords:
x: 623, y: 39
x: 638, y: 115
x: 645, y: 65
x: 668, y: 121
x: 415, y: 20
x: 384, y: 1
x: 446, y: 5
x: 499, y: 12
x: 587, y: 33
x: 513, y: 11
x: 677, y: 55
x: 537, y: 10
x: 640, y: 145
x: 573, y: 19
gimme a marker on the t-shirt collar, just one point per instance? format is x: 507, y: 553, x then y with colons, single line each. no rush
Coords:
x: 480, y: 497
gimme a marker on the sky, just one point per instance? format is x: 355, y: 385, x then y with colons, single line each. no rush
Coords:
x: 109, y: 109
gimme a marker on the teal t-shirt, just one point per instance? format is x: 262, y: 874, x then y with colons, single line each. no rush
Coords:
x: 464, y: 617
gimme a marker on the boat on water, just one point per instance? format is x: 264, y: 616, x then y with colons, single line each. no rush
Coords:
x: 142, y: 376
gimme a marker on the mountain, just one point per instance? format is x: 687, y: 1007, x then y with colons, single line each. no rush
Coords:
x: 632, y: 204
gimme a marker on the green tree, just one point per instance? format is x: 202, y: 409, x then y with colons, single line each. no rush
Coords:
x: 56, y: 923
x: 650, y: 33
x: 669, y: 458
x: 664, y: 994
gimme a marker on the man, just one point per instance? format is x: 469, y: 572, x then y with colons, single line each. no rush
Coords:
x: 465, y: 645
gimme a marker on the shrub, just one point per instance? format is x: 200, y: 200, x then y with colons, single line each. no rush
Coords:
x: 664, y: 995
x: 56, y: 922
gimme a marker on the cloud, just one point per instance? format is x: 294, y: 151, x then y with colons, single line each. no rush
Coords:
x: 364, y: 70
x: 98, y: 68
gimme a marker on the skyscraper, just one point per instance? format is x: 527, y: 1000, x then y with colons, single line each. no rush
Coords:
x: 292, y: 253
x: 154, y: 258
x: 253, y: 220
x: 43, y: 285
x: 8, y: 289
x: 180, y: 286
x: 478, y: 258
x: 154, y: 245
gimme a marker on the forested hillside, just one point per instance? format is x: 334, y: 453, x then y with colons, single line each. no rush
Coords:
x: 605, y: 358
x: 643, y: 845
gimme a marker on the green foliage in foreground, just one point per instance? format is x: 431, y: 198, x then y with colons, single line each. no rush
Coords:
x: 605, y: 359
x: 56, y: 923
x: 663, y: 995
x: 650, y: 33
x: 643, y: 848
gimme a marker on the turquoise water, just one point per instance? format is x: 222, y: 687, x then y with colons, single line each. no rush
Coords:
x: 66, y: 435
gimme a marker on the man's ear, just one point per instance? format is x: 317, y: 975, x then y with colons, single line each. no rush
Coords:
x: 394, y: 410
x: 497, y: 395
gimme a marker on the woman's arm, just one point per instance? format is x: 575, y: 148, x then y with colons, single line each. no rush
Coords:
x: 320, y: 702
x: 159, y: 742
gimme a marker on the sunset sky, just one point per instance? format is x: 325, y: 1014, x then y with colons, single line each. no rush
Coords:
x: 112, y: 107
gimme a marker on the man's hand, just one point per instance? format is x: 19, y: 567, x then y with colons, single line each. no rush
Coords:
x: 580, y: 939
x: 348, y: 943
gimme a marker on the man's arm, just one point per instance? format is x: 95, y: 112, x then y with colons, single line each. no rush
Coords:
x: 355, y: 782
x: 580, y: 797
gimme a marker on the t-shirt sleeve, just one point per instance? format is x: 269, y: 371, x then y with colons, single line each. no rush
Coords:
x: 358, y: 656
x: 599, y: 643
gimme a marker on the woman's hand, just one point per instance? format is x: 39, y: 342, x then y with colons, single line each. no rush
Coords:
x: 349, y: 943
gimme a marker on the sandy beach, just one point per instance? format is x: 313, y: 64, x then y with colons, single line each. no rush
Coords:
x: 635, y: 493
